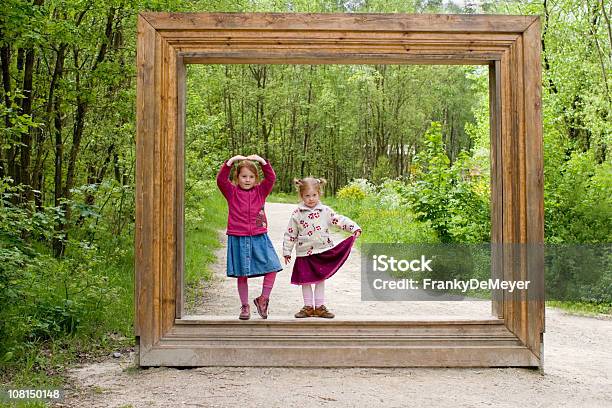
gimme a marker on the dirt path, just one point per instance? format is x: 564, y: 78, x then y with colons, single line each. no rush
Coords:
x: 342, y: 291
x: 578, y: 361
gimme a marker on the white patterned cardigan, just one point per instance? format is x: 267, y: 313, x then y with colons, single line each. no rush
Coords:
x: 308, y: 229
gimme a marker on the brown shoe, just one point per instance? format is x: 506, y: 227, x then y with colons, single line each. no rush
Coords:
x: 262, y: 306
x: 307, y: 311
x: 322, y: 311
x: 245, y: 312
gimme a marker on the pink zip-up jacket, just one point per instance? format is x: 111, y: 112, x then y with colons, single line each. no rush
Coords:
x: 246, y: 215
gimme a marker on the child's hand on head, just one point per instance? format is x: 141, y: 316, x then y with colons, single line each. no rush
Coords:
x: 256, y: 158
x: 236, y: 158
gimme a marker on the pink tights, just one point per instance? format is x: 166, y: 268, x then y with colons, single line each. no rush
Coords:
x: 319, y: 294
x: 243, y: 287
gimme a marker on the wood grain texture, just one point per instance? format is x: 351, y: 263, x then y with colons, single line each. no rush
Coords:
x: 517, y: 185
x: 497, y: 296
x: 508, y: 173
x: 520, y: 296
x: 365, y: 22
x: 339, y: 38
x: 247, y: 57
x: 145, y: 196
x: 478, y: 343
x: 534, y: 169
x: 180, y: 186
x: 509, y: 45
x: 339, y: 356
x: 169, y: 214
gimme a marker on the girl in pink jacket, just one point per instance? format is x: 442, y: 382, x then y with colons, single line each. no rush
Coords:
x: 250, y: 252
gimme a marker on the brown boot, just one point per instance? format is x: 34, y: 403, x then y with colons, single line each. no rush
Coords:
x: 307, y: 311
x: 261, y: 303
x: 322, y: 311
x: 245, y: 312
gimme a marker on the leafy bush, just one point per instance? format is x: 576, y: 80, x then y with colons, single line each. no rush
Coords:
x: 455, y: 199
x: 577, y: 207
x: 45, y: 301
x: 389, y: 194
x: 351, y: 192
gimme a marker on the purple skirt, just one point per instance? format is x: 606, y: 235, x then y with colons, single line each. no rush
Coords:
x: 317, y: 267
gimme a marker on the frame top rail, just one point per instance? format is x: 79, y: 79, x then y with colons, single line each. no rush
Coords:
x: 449, y: 23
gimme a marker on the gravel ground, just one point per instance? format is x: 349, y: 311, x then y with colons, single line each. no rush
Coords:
x: 578, y: 361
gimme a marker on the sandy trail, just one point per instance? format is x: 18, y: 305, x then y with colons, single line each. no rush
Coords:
x: 578, y: 362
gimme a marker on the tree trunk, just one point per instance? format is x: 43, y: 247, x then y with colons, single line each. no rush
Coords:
x: 306, y: 126
x: 229, y: 116
x: 260, y: 73
x: 5, y: 61
x: 58, y: 242
x: 551, y: 83
x: 26, y: 137
x: 37, y: 171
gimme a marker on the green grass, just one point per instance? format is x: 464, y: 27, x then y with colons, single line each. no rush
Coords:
x: 202, y: 236
x: 384, y: 225
x: 205, y: 215
x: 582, y: 308
x: 104, y: 306
x: 23, y: 404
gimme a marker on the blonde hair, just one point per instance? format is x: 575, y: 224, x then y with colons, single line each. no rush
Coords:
x: 309, y: 183
x: 249, y: 165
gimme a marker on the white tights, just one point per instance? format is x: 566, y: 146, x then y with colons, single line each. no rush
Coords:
x: 319, y: 294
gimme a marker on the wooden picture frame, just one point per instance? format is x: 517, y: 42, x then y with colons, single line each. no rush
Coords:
x: 508, y: 45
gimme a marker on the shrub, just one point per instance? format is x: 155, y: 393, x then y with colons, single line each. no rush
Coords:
x: 351, y: 192
x: 389, y: 194
x: 454, y: 199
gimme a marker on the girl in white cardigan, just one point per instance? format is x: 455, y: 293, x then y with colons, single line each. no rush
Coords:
x: 317, y: 259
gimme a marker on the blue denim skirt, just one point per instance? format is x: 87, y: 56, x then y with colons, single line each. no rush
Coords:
x: 251, y: 256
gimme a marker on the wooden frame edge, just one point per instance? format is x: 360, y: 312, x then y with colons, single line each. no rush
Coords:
x: 160, y: 111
